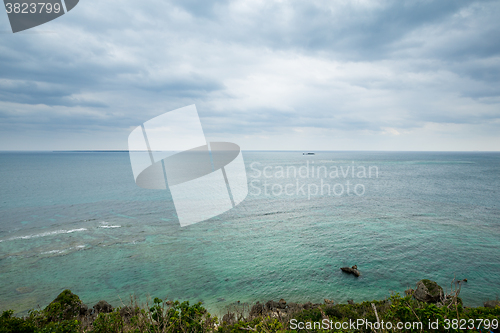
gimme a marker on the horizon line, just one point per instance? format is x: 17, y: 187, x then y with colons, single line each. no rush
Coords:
x: 252, y: 150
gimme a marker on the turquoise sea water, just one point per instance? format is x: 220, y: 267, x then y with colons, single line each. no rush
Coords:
x: 78, y: 221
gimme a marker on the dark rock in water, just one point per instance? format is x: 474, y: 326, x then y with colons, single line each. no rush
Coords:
x: 350, y: 301
x: 351, y: 270
x: 329, y: 301
x: 491, y: 304
x: 428, y: 291
x: 103, y: 307
x: 220, y: 299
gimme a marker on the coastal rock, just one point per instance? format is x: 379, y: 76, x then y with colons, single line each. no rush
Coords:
x: 491, y: 304
x: 103, y: 307
x: 351, y: 270
x: 282, y: 304
x: 257, y: 310
x: 350, y: 301
x: 84, y: 309
x: 272, y: 305
x: 308, y: 306
x: 329, y: 301
x: 428, y: 291
x: 294, y: 307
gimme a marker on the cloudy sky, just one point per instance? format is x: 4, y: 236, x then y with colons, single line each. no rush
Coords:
x: 280, y: 75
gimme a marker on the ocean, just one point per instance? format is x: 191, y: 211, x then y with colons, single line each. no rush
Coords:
x: 77, y: 220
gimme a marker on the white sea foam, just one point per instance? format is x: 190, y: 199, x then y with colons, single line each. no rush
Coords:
x: 78, y: 247
x: 110, y: 226
x: 44, y: 234
x: 53, y: 251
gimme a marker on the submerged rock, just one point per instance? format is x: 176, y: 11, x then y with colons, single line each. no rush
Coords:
x: 351, y: 270
x: 428, y: 291
x: 24, y: 290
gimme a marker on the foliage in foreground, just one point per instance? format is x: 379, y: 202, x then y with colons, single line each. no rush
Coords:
x: 64, y: 315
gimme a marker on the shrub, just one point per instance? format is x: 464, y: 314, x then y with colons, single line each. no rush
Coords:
x: 65, y: 326
x: 11, y: 324
x: 108, y: 323
x: 182, y: 317
x: 66, y: 306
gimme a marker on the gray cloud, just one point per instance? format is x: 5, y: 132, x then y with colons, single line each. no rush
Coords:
x: 258, y: 68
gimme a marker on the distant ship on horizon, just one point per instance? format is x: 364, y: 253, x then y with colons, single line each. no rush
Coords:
x: 309, y: 153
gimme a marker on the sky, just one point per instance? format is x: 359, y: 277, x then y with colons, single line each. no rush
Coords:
x: 267, y: 75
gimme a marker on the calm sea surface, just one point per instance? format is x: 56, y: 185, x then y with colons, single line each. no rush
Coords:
x: 78, y: 221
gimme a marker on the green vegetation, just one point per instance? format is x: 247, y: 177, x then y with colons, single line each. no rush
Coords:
x: 67, y: 314
x: 65, y: 307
